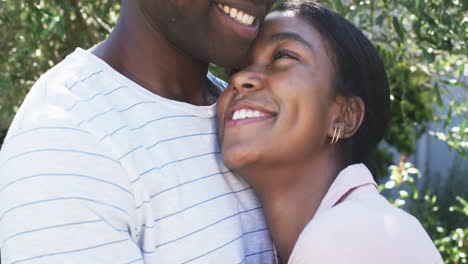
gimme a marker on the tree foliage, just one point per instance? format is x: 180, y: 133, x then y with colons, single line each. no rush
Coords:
x: 35, y: 35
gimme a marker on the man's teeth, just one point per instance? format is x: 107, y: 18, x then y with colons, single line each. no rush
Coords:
x: 246, y: 113
x: 237, y: 14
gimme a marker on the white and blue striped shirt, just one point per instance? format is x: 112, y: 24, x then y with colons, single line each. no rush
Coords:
x: 96, y: 169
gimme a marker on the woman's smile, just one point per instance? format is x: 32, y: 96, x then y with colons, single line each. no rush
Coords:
x: 247, y: 112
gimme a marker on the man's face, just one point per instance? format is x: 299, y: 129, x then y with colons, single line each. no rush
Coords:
x: 218, y: 31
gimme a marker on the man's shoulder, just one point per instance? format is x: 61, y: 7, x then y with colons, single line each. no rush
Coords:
x: 79, y: 65
x: 56, y: 93
x: 62, y: 79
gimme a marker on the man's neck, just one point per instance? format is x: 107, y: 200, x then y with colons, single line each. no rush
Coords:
x: 145, y: 56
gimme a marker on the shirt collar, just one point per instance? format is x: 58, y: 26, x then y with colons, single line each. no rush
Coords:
x: 348, y: 180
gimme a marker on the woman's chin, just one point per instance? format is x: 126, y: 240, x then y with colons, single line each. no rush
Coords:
x: 237, y: 159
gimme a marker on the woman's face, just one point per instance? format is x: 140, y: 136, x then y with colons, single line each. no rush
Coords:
x: 277, y: 109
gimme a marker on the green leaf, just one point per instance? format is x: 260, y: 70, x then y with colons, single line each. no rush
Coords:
x: 440, y: 104
x: 398, y: 28
x: 417, y: 4
x: 338, y: 6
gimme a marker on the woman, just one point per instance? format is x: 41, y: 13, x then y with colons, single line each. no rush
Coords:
x: 300, y: 124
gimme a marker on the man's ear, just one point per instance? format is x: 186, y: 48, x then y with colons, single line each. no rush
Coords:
x: 349, y: 116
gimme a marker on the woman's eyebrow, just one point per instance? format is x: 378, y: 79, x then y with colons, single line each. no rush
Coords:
x: 290, y: 36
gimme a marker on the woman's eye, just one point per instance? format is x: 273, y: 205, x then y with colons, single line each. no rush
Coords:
x: 284, y: 54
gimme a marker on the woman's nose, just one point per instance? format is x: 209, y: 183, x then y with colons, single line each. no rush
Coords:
x: 246, y: 81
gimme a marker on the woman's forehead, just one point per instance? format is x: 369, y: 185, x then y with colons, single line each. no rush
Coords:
x: 289, y: 23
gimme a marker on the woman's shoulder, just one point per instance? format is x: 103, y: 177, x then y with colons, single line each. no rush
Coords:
x: 370, y: 210
x: 367, y: 230
x: 373, y: 216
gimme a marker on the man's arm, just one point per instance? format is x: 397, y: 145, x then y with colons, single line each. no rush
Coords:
x: 64, y: 199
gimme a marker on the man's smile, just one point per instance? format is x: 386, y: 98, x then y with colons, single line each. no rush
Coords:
x: 237, y: 14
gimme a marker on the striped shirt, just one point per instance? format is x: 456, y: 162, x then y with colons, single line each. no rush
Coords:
x: 96, y: 169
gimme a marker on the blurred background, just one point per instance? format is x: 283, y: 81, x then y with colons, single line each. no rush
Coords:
x: 423, y: 161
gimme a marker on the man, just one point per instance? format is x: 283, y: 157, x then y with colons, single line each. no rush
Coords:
x: 112, y: 158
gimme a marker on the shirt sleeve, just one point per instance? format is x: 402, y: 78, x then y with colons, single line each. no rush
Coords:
x: 64, y: 199
x: 351, y: 233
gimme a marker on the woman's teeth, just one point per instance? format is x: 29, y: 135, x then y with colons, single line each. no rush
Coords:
x: 246, y: 113
x: 238, y: 15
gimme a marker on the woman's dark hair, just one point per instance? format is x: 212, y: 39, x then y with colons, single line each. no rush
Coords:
x: 359, y: 72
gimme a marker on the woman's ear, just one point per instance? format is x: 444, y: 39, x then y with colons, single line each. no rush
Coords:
x: 348, y: 118
x: 353, y: 115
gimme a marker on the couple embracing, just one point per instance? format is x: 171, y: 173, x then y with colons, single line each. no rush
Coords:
x: 118, y: 153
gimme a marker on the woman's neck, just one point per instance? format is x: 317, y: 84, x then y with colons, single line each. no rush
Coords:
x: 290, y: 196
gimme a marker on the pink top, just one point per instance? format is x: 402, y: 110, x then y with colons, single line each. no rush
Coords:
x: 355, y: 224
